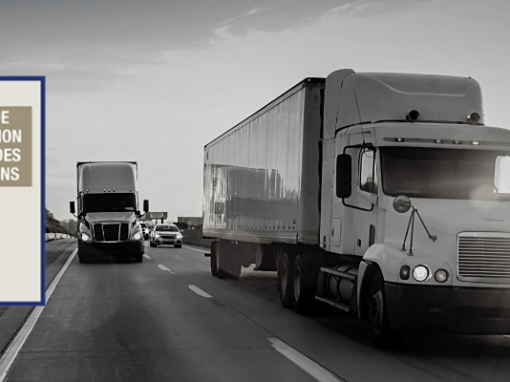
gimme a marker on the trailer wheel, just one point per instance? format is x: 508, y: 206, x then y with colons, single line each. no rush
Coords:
x: 303, y: 293
x: 381, y: 332
x: 285, y: 281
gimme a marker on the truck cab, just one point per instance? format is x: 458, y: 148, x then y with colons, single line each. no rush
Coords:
x: 418, y: 189
x: 107, y: 211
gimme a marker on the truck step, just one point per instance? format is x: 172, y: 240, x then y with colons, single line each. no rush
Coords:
x: 336, y: 304
x: 339, y: 274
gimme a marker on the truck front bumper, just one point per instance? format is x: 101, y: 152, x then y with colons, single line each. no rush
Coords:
x: 413, y: 308
x: 123, y: 249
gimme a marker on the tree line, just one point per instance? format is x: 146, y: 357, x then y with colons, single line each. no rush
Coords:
x: 65, y: 226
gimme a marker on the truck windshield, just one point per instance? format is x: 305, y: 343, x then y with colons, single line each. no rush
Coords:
x: 446, y: 173
x: 109, y: 202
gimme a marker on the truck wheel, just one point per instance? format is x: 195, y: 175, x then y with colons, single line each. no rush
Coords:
x: 214, y: 260
x: 380, y: 330
x: 285, y: 281
x: 303, y: 297
x: 138, y: 258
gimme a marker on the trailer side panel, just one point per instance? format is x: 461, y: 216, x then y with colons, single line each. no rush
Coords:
x: 261, y: 178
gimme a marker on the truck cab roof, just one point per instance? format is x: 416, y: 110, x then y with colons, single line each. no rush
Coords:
x: 355, y: 98
x: 98, y: 177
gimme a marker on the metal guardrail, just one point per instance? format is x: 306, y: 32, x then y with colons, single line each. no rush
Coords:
x: 57, y: 236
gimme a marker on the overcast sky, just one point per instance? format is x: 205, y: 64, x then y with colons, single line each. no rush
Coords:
x: 155, y: 83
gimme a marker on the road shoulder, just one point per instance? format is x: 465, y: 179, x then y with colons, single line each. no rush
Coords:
x: 14, y: 317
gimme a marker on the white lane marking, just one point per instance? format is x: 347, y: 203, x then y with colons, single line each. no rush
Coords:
x: 12, y: 351
x: 305, y: 363
x: 199, y: 291
x: 147, y: 256
x: 161, y: 266
x: 193, y: 249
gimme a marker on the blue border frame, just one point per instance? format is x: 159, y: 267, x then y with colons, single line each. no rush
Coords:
x: 42, y: 80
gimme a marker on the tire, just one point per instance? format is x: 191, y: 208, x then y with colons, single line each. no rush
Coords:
x: 138, y: 258
x: 303, y: 290
x: 380, y: 330
x: 285, y: 284
x: 178, y: 246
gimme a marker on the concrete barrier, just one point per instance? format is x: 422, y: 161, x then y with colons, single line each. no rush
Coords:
x: 57, y: 236
x: 194, y: 237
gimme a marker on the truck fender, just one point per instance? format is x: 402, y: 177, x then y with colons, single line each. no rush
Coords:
x: 366, y: 272
x: 387, y: 258
x: 378, y: 258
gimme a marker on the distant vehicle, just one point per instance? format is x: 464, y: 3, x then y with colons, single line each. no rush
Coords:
x: 107, y: 209
x: 145, y: 231
x: 165, y: 234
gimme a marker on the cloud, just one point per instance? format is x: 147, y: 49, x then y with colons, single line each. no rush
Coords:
x: 238, y: 23
x: 254, y: 11
x: 348, y: 9
x: 363, y: 8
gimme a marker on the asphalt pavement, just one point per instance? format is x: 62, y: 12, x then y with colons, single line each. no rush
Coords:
x: 168, y: 319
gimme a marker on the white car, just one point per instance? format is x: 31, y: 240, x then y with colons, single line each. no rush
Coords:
x: 165, y: 234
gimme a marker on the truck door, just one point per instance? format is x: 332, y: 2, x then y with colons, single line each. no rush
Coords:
x: 342, y: 233
x: 366, y: 189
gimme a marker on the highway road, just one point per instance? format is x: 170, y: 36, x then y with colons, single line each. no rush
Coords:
x: 168, y: 319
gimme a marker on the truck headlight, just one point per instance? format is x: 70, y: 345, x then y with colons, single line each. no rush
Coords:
x: 441, y: 276
x: 420, y: 273
x: 137, y: 236
x: 85, y: 237
x: 404, y: 272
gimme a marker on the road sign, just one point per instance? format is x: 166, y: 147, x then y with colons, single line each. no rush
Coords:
x: 22, y: 166
x: 156, y: 215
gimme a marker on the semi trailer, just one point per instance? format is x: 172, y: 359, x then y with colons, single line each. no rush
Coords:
x: 383, y: 195
x: 108, y: 213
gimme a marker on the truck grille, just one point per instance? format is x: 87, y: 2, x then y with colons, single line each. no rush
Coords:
x: 484, y: 255
x: 111, y: 232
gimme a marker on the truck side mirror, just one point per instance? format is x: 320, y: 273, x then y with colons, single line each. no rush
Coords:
x: 343, y: 176
x: 71, y: 207
x: 145, y: 205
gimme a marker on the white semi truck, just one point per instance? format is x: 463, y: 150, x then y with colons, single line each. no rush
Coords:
x: 383, y: 195
x: 107, y: 206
